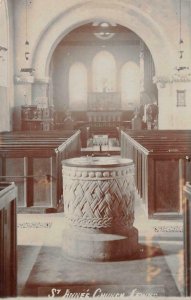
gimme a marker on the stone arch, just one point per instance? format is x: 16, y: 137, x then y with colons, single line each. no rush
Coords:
x: 6, y: 78
x: 3, y: 43
x: 115, y: 11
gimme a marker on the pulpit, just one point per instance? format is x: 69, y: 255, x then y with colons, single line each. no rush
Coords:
x: 99, y: 208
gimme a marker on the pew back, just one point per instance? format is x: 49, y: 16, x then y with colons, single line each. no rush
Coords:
x: 33, y: 161
x: 8, y: 240
x: 187, y: 238
x: 160, y: 167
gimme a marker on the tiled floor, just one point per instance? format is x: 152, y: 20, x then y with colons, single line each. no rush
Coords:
x: 36, y: 230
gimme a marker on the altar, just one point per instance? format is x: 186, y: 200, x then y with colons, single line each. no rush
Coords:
x: 100, y: 139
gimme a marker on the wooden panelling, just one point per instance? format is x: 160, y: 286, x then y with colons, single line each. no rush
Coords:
x: 161, y: 169
x: 187, y: 239
x: 42, y: 184
x: 34, y: 118
x: 15, y: 167
x: 166, y: 186
x: 33, y: 161
x: 8, y: 240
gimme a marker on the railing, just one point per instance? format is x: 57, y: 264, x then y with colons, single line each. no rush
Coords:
x: 8, y: 240
x: 104, y: 124
x: 70, y: 148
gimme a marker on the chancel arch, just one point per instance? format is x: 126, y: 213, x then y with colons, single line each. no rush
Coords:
x: 6, y: 76
x: 104, y: 72
x: 88, y: 77
x: 139, y: 22
x: 128, y: 15
x: 142, y: 25
x: 3, y: 44
x: 78, y: 87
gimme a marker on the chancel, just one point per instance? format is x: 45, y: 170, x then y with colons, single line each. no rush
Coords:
x: 95, y: 148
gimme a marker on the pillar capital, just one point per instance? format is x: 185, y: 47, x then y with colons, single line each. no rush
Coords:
x: 23, y: 79
x: 178, y: 77
x: 42, y: 80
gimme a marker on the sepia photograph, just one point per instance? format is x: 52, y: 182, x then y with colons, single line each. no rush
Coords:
x: 95, y: 149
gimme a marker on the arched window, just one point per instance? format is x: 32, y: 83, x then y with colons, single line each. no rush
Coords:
x: 130, y: 85
x: 104, y: 72
x: 78, y: 87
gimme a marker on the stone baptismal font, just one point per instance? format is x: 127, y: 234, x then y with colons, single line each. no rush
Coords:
x: 99, y: 197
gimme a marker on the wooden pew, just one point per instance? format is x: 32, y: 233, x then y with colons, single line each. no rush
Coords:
x: 33, y: 161
x: 187, y: 239
x: 160, y: 167
x: 8, y: 240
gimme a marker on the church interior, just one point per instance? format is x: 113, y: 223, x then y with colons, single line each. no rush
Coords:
x: 95, y: 148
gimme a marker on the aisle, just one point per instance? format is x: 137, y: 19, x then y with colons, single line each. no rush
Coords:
x: 157, y: 268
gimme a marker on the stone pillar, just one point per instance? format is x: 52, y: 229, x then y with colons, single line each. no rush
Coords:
x: 142, y: 67
x: 40, y: 90
x: 23, y: 86
x: 99, y: 208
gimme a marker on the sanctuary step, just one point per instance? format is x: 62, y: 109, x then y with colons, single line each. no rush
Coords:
x: 31, y: 210
x: 89, y: 152
x: 53, y: 270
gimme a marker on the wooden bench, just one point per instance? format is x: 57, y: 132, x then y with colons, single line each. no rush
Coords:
x: 8, y: 240
x: 33, y: 161
x: 187, y: 239
x: 160, y: 167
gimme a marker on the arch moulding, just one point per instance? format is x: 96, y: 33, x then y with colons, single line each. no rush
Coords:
x: 126, y: 15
